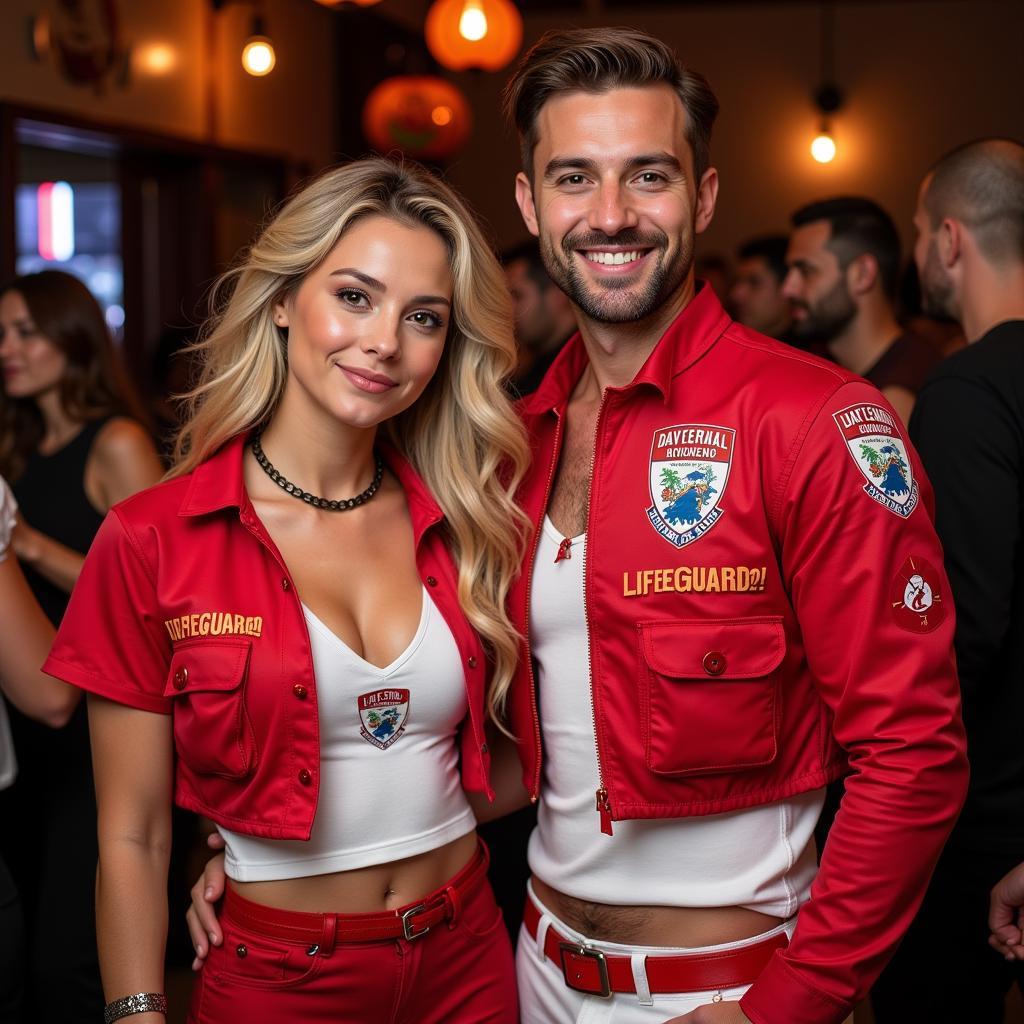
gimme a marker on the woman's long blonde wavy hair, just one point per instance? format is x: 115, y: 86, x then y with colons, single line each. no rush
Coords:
x: 462, y: 435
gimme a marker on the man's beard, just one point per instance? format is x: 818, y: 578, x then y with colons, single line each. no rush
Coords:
x: 937, y: 298
x: 828, y: 317
x: 614, y: 301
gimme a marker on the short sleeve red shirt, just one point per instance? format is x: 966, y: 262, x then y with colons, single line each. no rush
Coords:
x: 185, y: 607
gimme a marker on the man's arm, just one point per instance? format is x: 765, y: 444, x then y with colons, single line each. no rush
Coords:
x: 969, y: 444
x: 880, y: 651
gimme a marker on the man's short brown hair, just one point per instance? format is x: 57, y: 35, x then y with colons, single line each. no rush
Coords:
x: 596, y: 61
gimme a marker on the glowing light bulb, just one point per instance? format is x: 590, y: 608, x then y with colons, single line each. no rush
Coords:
x: 473, y: 22
x: 823, y: 148
x: 258, y: 57
x: 157, y: 58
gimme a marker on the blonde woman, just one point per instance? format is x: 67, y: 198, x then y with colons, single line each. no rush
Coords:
x: 309, y: 625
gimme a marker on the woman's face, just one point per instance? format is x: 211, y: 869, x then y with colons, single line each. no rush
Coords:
x: 31, y: 364
x: 367, y: 328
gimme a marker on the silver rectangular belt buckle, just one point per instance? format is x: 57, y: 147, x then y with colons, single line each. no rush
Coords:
x: 407, y: 922
x: 574, y: 977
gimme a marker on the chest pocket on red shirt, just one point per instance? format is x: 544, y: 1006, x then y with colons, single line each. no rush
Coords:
x: 710, y: 693
x: 212, y: 731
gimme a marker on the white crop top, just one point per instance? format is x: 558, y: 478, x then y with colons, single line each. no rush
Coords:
x: 389, y: 774
x: 762, y: 858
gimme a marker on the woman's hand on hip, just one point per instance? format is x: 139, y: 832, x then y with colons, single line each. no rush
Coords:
x: 201, y: 916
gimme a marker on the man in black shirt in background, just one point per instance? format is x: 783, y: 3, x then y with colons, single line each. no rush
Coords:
x: 968, y: 426
x: 844, y: 260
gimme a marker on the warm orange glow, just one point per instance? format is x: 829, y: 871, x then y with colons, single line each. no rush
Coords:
x: 465, y: 34
x: 258, y: 57
x: 341, y: 3
x: 156, y: 58
x: 421, y: 115
x: 40, y: 28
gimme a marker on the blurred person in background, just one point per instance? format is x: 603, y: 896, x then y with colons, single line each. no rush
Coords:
x: 25, y: 638
x: 71, y: 445
x: 844, y: 259
x: 943, y: 333
x: 715, y: 270
x: 968, y: 426
x: 543, y: 316
x: 756, y: 293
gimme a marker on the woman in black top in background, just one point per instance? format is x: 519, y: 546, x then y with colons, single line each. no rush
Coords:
x: 70, y: 447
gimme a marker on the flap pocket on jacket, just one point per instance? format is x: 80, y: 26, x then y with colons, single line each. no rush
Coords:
x: 212, y: 731
x: 710, y: 693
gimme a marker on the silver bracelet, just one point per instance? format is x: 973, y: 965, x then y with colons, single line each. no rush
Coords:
x: 141, y: 1002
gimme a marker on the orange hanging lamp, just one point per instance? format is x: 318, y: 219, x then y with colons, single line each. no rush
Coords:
x: 483, y: 34
x: 423, y: 116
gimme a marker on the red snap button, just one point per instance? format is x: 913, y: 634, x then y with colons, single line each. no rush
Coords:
x: 471, y: 662
x: 305, y: 776
x: 180, y: 678
x: 285, y: 585
x: 431, y: 581
x: 300, y: 691
x: 714, y: 663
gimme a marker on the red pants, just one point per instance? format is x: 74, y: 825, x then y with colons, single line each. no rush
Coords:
x: 461, y: 972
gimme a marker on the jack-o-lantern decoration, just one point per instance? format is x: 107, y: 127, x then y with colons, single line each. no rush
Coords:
x: 483, y: 34
x: 423, y: 116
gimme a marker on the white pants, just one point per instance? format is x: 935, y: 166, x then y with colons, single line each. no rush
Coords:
x: 544, y: 997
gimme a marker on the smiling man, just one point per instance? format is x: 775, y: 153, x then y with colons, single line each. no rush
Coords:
x: 734, y: 592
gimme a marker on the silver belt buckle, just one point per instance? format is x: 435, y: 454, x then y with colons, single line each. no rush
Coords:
x: 590, y: 954
x: 407, y: 922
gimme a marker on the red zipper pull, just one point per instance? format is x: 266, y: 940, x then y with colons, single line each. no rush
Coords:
x: 563, y: 549
x: 605, y: 811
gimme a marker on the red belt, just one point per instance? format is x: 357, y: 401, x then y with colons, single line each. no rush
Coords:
x: 590, y: 970
x: 324, y: 930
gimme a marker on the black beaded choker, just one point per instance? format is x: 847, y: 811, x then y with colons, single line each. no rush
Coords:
x: 311, y: 499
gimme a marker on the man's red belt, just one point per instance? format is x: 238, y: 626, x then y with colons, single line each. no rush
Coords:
x: 408, y: 922
x: 587, y: 969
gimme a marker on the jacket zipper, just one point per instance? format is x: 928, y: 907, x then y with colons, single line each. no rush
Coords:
x: 601, y: 802
x: 535, y: 794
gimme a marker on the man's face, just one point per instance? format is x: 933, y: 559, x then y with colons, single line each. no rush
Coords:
x: 614, y: 202
x: 938, y: 296
x: 757, y: 298
x: 530, y: 315
x: 815, y: 285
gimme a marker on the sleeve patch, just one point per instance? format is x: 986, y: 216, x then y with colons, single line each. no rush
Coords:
x: 872, y: 437
x: 915, y: 599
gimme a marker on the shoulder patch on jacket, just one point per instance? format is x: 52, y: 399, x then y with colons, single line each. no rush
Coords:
x: 872, y: 437
x: 916, y: 602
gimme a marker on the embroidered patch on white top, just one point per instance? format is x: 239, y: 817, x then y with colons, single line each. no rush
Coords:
x: 384, y: 715
x: 873, y: 439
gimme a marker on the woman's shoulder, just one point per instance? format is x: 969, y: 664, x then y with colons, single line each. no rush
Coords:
x: 124, y: 460
x: 120, y: 437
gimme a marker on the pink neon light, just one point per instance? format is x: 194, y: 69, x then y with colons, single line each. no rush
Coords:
x: 44, y: 227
